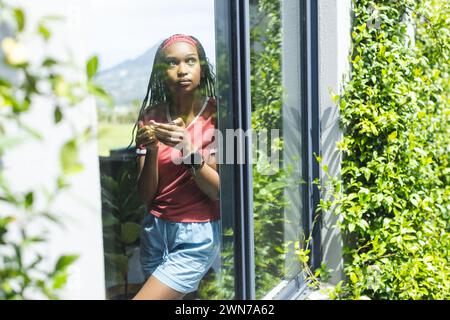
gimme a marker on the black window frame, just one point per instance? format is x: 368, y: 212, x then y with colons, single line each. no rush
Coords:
x: 236, y: 180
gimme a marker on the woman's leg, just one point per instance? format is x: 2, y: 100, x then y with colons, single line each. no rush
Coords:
x: 154, y: 289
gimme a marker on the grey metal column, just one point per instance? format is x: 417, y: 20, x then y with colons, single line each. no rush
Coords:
x: 237, y: 194
x: 244, y: 182
x: 313, y: 134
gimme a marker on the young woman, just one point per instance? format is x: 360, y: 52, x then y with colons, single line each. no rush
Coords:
x: 178, y: 178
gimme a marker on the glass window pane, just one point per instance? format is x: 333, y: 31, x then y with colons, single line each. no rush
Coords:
x: 126, y: 39
x: 276, y: 119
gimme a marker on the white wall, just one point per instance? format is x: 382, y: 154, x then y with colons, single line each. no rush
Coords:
x: 334, y: 46
x: 35, y: 164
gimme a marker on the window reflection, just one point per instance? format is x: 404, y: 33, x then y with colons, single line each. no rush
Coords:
x: 221, y: 283
x: 125, y: 76
x: 277, y: 185
x: 275, y: 73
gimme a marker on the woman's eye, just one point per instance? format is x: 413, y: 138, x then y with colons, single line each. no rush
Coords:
x: 191, y: 61
x: 171, y: 63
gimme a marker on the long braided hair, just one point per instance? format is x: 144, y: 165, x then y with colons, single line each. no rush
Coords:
x: 157, y: 90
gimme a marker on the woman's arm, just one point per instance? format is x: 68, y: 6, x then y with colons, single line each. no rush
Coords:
x: 207, y: 179
x: 147, y: 182
x: 176, y: 135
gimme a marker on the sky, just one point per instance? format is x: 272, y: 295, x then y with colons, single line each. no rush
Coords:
x: 122, y: 29
x: 117, y: 30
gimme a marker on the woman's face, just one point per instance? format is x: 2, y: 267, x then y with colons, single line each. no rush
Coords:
x: 183, y: 73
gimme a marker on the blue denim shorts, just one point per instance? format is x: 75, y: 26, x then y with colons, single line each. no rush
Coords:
x: 178, y: 253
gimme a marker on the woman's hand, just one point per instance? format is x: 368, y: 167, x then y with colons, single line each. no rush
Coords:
x: 173, y: 134
x: 146, y: 136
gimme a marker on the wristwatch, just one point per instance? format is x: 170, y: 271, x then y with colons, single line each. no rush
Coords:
x: 193, y: 161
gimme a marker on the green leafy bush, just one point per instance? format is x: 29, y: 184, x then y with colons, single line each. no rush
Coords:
x: 393, y: 196
x: 122, y: 214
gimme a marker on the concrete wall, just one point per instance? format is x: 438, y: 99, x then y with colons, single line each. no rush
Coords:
x: 334, y: 45
x: 34, y: 165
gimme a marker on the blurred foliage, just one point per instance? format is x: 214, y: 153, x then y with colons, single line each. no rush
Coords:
x: 219, y: 284
x: 25, y: 268
x: 122, y: 214
x: 393, y: 196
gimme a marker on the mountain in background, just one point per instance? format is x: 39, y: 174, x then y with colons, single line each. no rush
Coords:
x: 128, y: 80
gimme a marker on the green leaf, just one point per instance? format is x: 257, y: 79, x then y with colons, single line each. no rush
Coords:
x: 59, y: 281
x: 351, y: 227
x: 335, y: 98
x: 392, y: 136
x: 101, y: 93
x: 97, y: 90
x: 318, y: 158
x: 117, y: 261
x: 69, y: 158
x: 29, y: 200
x: 64, y: 262
x: 4, y: 83
x: 130, y: 232
x: 57, y: 114
x: 4, y: 221
x: 20, y: 19
x: 420, y: 151
x: 110, y: 221
x: 353, y: 277
x: 91, y: 67
x: 49, y: 62
x: 45, y: 33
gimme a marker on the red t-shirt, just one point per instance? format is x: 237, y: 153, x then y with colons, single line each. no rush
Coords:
x: 178, y: 197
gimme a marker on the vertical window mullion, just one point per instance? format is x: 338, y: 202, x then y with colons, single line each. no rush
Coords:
x: 244, y: 212
x: 238, y: 116
x: 313, y: 129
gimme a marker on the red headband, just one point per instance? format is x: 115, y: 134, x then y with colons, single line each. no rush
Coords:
x: 179, y: 37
